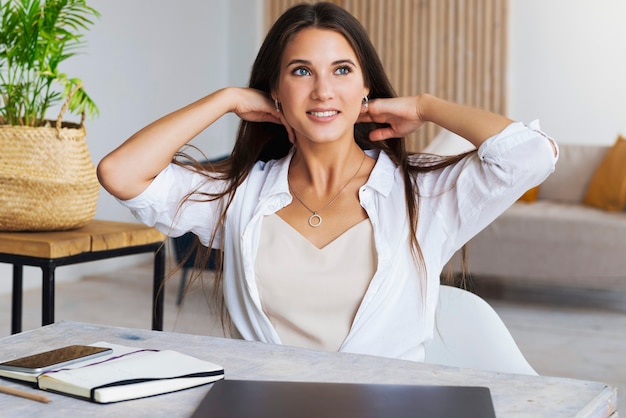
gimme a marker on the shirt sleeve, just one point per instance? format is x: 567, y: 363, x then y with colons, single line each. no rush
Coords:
x: 469, y: 195
x: 159, y: 205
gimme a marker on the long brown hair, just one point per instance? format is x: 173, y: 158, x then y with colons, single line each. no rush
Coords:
x: 266, y: 141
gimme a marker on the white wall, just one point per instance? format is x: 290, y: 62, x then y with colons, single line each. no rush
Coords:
x: 567, y: 67
x: 146, y: 58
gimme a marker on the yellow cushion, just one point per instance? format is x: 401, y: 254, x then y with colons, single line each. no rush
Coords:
x: 607, y: 188
x: 530, y: 196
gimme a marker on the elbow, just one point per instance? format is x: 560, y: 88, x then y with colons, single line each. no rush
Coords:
x: 544, y: 162
x: 121, y: 178
x: 111, y: 177
x: 550, y: 156
x: 105, y: 173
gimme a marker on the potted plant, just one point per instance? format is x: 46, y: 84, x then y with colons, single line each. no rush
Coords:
x: 47, y: 178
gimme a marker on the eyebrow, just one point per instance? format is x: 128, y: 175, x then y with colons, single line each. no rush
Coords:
x: 306, y: 62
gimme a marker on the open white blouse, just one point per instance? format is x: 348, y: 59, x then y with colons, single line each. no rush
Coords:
x: 396, y: 315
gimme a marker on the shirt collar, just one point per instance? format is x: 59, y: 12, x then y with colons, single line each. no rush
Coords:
x: 276, y: 182
x: 382, y: 176
x: 381, y: 179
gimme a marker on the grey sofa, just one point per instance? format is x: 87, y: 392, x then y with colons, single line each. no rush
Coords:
x: 556, y: 240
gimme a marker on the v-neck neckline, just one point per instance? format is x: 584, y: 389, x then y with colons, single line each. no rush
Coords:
x: 335, y: 240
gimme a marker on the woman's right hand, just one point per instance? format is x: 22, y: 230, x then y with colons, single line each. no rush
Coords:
x: 254, y: 106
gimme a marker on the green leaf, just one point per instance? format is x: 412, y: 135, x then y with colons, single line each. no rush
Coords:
x: 35, y: 38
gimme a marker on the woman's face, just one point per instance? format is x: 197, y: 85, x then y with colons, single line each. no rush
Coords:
x: 320, y: 86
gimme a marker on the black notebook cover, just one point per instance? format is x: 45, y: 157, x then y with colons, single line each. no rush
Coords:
x: 260, y: 399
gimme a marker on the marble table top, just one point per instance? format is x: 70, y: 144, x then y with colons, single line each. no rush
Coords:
x: 513, y: 395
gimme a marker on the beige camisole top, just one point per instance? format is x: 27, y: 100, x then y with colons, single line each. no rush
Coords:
x: 311, y: 295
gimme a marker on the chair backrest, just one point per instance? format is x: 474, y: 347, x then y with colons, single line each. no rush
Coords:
x: 469, y: 333
x: 183, y: 247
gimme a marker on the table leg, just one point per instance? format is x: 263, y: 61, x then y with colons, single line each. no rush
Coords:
x: 16, y: 298
x: 157, y: 289
x: 47, y: 294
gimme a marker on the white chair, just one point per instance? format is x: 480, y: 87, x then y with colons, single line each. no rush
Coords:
x: 470, y: 334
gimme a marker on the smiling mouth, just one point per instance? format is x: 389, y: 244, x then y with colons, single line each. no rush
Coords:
x: 324, y: 114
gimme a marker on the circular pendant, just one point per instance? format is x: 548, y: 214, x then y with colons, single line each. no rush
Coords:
x: 315, y: 220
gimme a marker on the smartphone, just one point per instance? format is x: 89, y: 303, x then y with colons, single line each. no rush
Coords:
x: 54, y: 359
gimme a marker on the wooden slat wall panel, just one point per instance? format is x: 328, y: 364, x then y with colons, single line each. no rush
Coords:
x: 455, y: 49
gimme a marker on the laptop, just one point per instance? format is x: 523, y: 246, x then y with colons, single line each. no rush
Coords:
x: 265, y: 399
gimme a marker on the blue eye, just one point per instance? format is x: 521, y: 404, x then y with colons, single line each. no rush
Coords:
x: 301, y: 71
x: 343, y: 70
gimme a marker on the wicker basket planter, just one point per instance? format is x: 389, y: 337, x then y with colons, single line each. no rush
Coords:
x: 47, y: 178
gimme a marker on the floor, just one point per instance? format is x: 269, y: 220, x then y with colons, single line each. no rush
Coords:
x: 565, y: 334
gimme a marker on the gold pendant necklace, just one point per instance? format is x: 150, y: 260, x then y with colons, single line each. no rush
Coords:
x: 315, y: 219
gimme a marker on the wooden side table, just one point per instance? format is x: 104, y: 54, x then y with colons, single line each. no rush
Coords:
x: 97, y: 240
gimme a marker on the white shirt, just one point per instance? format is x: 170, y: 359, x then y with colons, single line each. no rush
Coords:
x: 396, y: 316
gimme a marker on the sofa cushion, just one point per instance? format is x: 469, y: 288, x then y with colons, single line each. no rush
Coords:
x: 553, y: 222
x: 576, y: 165
x: 607, y: 188
x: 556, y: 243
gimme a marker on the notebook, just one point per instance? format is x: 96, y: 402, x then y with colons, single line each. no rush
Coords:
x: 260, y: 399
x: 125, y: 373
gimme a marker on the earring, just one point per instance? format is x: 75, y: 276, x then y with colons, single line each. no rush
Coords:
x: 365, y: 101
x: 277, y: 104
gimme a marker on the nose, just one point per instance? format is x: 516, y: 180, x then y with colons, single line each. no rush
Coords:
x: 323, y: 88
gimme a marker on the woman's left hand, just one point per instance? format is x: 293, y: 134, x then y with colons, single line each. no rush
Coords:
x: 400, y: 113
x: 405, y: 115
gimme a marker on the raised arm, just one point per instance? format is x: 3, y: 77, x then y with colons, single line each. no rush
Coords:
x: 131, y: 167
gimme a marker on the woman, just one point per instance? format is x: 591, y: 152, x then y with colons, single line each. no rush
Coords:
x: 333, y: 237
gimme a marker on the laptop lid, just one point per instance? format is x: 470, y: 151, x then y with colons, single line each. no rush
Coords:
x: 260, y: 399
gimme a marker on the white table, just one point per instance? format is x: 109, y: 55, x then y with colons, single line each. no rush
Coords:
x: 513, y: 395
